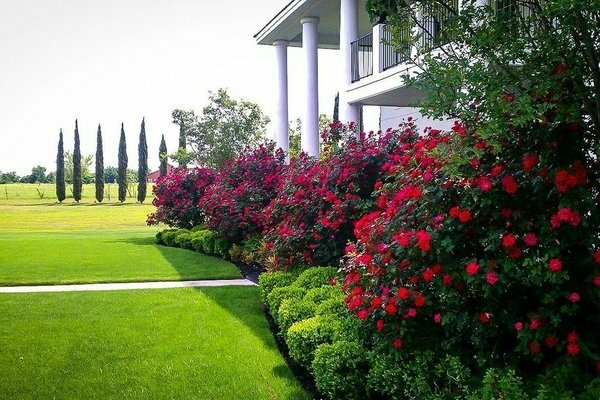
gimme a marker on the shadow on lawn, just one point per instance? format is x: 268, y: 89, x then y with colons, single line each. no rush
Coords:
x: 243, y: 305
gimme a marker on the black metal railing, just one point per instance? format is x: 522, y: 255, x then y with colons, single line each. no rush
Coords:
x: 436, y: 21
x: 362, y: 57
x: 513, y: 14
x: 391, y: 55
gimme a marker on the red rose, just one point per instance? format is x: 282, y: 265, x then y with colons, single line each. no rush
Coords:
x: 437, y: 318
x: 454, y: 212
x: 419, y: 301
x: 534, y: 347
x: 530, y: 161
x: 362, y: 314
x: 573, y: 349
x: 514, y: 253
x: 472, y: 268
x: 484, y: 183
x: 464, y: 216
x: 555, y: 265
x: 447, y: 280
x: 508, y: 240
x: 379, y: 325
x: 551, y: 341
x: 509, y: 184
x: 491, y: 278
x: 574, y: 297
x: 397, y: 343
x: 484, y: 317
x: 530, y: 239
x: 423, y: 240
x: 518, y: 326
x: 403, y: 293
x: 596, y: 257
x: 390, y: 309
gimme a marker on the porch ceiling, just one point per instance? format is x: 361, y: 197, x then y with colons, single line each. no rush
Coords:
x: 286, y: 24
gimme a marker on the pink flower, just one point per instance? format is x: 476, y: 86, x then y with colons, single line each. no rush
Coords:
x: 519, y: 326
x: 574, y: 297
x: 472, y: 268
x: 573, y: 349
x: 491, y: 278
x: 437, y: 318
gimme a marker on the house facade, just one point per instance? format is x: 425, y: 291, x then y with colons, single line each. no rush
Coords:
x: 370, y: 69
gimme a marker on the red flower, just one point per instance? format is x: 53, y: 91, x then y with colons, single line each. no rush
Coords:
x: 506, y: 212
x: 530, y: 239
x: 535, y: 323
x: 565, y: 215
x: 423, y: 240
x: 484, y: 317
x: 551, y: 341
x: 514, y: 253
x: 565, y: 181
x: 484, y: 183
x: 497, y: 170
x: 509, y: 184
x: 419, y: 301
x: 596, y: 280
x: 390, y: 309
x: 596, y: 257
x: 472, y: 268
x: 454, y: 212
x: 555, y: 265
x: 464, y: 216
x: 560, y: 69
x: 447, y: 280
x: 530, y: 161
x: 491, y: 278
x: 534, y: 347
x: 428, y: 275
x: 437, y: 318
x: 573, y: 349
x: 362, y: 314
x: 403, y: 293
x: 508, y: 240
x: 397, y: 343
x: 379, y: 324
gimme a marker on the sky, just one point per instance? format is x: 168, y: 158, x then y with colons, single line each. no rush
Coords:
x: 112, y: 61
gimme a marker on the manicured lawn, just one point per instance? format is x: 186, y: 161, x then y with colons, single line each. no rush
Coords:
x: 54, y: 243
x: 205, y: 344
x: 47, y: 192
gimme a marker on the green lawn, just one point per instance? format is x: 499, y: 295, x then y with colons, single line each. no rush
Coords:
x: 205, y: 344
x: 48, y: 243
x: 47, y: 192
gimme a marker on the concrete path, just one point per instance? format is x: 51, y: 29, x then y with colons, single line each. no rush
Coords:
x: 125, y: 286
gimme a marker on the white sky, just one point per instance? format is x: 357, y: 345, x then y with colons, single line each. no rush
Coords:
x: 107, y: 61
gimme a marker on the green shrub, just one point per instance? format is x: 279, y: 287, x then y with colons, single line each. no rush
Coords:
x: 198, y: 240
x: 208, y: 242
x: 169, y: 238
x: 500, y: 385
x: 316, y: 277
x: 160, y: 235
x: 279, y: 294
x: 320, y: 294
x: 221, y: 246
x: 333, y: 306
x: 340, y: 370
x: 183, y: 239
x: 401, y: 376
x: 291, y: 311
x: 271, y: 280
x: 348, y: 328
x: 305, y: 336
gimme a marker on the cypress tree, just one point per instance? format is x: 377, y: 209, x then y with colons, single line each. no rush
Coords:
x: 77, y: 183
x: 122, y: 174
x: 99, y: 177
x: 142, y: 164
x: 336, y: 107
x: 162, y: 156
x: 60, y: 170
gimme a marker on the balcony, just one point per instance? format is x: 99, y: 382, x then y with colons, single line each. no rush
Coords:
x: 362, y: 57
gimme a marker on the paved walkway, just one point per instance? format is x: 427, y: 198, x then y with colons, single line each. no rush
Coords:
x: 125, y: 286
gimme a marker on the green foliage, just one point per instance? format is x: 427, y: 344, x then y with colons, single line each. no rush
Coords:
x: 9, y: 177
x: 163, y: 156
x: 160, y: 235
x: 333, y: 306
x: 417, y: 376
x: 499, y: 385
x: 122, y: 169
x: 320, y: 294
x: 279, y: 294
x: 99, y: 176
x: 142, y: 164
x: 61, y: 194
x: 271, y: 280
x: 291, y: 311
x: 225, y: 128
x: 169, y: 237
x: 340, y: 370
x: 316, y: 277
x: 305, y: 336
x: 77, y: 182
x: 203, y: 241
x: 183, y: 239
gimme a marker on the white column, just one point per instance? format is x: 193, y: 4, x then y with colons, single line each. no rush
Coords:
x: 310, y: 124
x: 348, y: 34
x: 281, y: 119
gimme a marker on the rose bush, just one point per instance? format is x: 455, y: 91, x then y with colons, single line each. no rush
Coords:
x: 176, y: 197
x: 318, y: 200
x: 233, y: 205
x: 486, y: 249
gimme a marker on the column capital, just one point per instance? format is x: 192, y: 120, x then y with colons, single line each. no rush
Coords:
x: 281, y: 42
x: 308, y: 20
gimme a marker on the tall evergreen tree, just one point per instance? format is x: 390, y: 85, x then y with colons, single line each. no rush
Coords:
x: 336, y: 107
x: 142, y: 164
x: 77, y: 182
x: 99, y: 177
x: 60, y: 170
x: 162, y: 156
x: 122, y: 177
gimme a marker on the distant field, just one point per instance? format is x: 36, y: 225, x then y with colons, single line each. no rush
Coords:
x: 47, y: 192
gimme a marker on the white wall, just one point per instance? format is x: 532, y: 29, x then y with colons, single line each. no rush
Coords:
x: 393, y: 116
